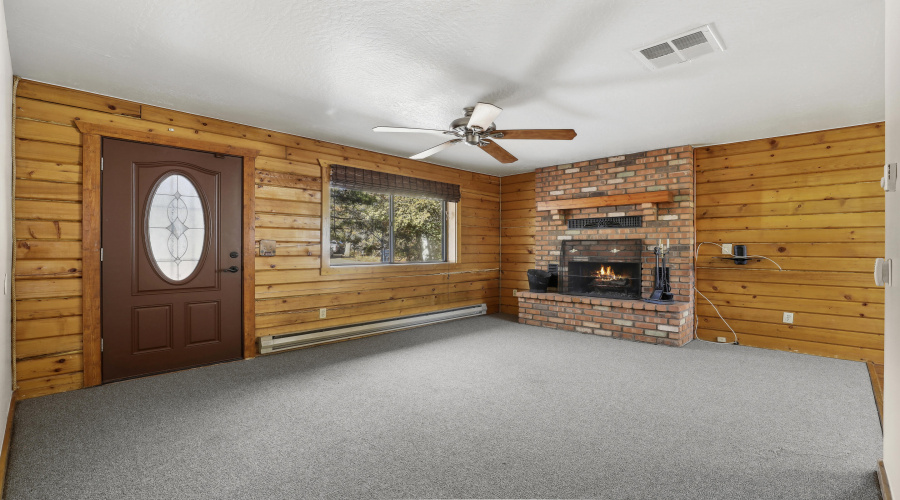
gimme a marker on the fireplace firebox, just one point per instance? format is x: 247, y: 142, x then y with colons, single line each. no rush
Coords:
x: 601, y: 268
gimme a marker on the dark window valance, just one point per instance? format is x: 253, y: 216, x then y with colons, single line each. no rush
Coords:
x: 360, y: 179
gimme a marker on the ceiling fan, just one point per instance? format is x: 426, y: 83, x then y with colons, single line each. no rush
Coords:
x: 477, y: 128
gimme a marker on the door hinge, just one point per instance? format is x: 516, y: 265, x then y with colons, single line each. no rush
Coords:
x: 889, y: 181
x: 101, y: 345
x: 883, y: 272
x: 101, y: 255
x: 101, y: 163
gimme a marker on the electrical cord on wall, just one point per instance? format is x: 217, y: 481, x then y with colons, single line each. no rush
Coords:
x: 696, y: 316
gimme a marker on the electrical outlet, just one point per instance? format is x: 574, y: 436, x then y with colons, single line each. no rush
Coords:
x: 726, y: 248
x: 322, y: 313
x: 515, y: 293
x: 788, y: 318
x: 721, y: 340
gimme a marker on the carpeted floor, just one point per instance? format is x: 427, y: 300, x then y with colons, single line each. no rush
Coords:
x: 482, y: 407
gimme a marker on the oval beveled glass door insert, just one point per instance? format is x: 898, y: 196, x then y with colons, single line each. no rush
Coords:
x: 176, y: 227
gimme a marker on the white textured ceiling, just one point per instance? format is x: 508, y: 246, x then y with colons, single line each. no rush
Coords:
x: 332, y: 70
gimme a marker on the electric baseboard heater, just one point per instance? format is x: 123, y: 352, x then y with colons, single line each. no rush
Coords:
x: 277, y: 343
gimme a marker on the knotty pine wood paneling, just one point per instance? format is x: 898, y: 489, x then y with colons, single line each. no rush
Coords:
x: 517, y: 223
x: 290, y: 287
x: 812, y: 203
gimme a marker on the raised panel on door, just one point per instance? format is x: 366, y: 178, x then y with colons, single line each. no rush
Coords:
x: 151, y: 328
x: 200, y: 315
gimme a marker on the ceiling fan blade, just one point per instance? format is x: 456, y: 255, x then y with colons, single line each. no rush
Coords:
x: 483, y: 115
x: 413, y: 130
x: 547, y: 135
x: 500, y: 154
x: 439, y: 147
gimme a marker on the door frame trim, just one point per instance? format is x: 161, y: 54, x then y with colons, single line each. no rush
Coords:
x: 92, y: 135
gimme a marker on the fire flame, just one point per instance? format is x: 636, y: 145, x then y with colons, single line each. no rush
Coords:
x: 606, y: 273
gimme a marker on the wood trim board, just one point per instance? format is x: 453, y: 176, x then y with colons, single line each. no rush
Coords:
x: 91, y: 169
x: 607, y: 201
x: 7, y: 440
x: 877, y: 389
x: 119, y: 132
x: 883, y: 482
x: 90, y: 241
x: 326, y: 216
x: 249, y: 258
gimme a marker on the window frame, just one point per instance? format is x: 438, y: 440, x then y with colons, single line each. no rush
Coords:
x: 451, y: 239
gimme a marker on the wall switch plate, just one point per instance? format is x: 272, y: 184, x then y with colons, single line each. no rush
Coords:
x: 727, y: 248
x: 721, y: 340
x: 788, y: 318
x: 322, y: 313
x: 515, y: 293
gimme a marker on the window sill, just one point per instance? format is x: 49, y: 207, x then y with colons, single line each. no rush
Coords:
x: 396, y: 264
x: 386, y: 268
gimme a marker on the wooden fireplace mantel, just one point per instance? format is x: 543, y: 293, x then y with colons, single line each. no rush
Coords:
x: 607, y: 201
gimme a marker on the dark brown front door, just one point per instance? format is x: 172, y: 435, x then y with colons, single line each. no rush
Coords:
x: 171, y: 240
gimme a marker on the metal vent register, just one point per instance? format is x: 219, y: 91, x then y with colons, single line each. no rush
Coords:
x: 689, y: 40
x: 603, y: 222
x: 658, y: 51
x: 680, y: 48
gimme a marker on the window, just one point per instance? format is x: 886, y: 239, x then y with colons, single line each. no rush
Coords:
x: 176, y: 225
x: 379, y: 218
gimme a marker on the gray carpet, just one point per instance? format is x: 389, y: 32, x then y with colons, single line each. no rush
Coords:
x: 482, y: 407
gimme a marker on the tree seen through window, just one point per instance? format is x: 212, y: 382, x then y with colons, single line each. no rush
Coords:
x: 373, y: 228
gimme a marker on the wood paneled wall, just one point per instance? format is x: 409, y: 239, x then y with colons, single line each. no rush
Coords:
x: 812, y: 203
x: 290, y: 287
x: 517, y: 220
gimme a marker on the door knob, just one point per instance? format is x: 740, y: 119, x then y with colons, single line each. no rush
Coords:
x: 232, y: 269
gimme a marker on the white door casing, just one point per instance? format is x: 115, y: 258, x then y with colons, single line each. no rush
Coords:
x: 892, y: 249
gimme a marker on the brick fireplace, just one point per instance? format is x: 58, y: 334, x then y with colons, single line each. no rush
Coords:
x: 599, y: 221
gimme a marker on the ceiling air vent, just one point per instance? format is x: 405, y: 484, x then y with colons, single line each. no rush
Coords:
x: 680, y: 48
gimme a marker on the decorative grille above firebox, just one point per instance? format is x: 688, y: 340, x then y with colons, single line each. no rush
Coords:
x: 605, y: 222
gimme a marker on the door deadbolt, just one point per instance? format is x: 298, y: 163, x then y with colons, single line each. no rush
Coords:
x: 234, y: 255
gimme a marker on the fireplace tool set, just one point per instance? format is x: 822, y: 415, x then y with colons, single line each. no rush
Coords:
x: 662, y: 292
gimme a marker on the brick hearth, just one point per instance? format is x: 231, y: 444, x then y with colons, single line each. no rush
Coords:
x: 670, y: 169
x: 670, y: 324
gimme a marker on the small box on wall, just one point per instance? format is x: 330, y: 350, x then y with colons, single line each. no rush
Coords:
x: 266, y: 248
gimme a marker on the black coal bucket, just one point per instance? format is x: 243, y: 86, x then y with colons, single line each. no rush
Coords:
x: 538, y: 280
